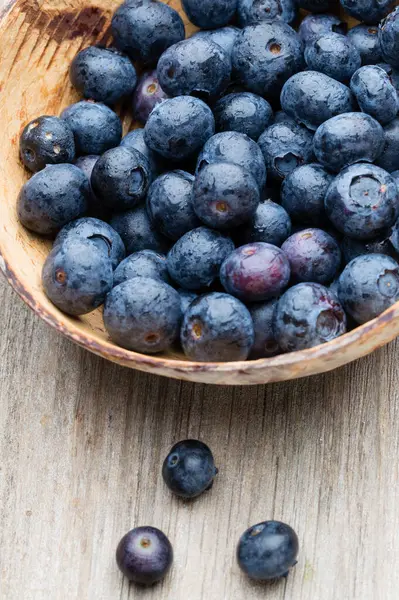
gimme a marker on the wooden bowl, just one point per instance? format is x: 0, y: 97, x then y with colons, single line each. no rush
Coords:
x: 38, y: 39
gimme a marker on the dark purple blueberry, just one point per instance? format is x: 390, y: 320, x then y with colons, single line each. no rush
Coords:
x: 134, y: 140
x: 307, y: 315
x: 311, y: 98
x: 255, y: 11
x: 246, y: 113
x: 186, y: 298
x: 225, y: 195
x: 137, y: 232
x: 189, y: 469
x: 225, y: 37
x: 268, y: 550
x: 77, y: 276
x: 265, y: 344
x: 303, y: 192
x: 314, y: 26
x: 383, y: 244
x: 170, y: 204
x: 255, y: 272
x: 347, y: 139
x: 362, y: 201
x: 270, y: 224
x: 375, y: 93
x: 121, y: 178
x: 46, y: 141
x: 144, y: 555
x: 365, y: 38
x: 389, y: 158
x: 368, y: 285
x: 313, y: 255
x: 143, y: 314
x: 52, y: 198
x: 145, y: 263
x: 99, y: 232
x: 334, y: 55
x: 147, y: 96
x: 388, y: 34
x: 208, y: 14
x: 285, y: 146
x: 103, y: 74
x: 194, y: 261
x: 145, y: 29
x: 217, y: 328
x: 237, y: 148
x: 369, y: 11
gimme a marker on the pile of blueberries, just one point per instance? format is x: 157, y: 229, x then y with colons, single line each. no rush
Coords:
x: 265, y: 551
x: 258, y: 207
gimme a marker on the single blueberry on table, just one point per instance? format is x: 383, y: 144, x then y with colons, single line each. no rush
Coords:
x: 369, y: 285
x: 134, y: 140
x: 308, y: 314
x: 265, y: 344
x: 271, y: 224
x: 225, y: 37
x: 375, y: 93
x: 225, y: 195
x: 189, y: 469
x: 255, y: 272
x: 46, y: 141
x: 95, y: 126
x: 389, y: 157
x: 143, y: 314
x: 77, y: 276
x: 144, y: 555
x: 209, y: 14
x: 217, y: 328
x: 170, y: 204
x: 145, y: 29
x: 255, y: 11
x: 362, y: 201
x: 137, y: 232
x: 334, y: 55
x: 314, y: 26
x: 178, y: 128
x: 186, y: 298
x: 369, y: 11
x: 268, y: 550
x: 52, y: 198
x: 147, y: 96
x: 383, y: 244
x: 365, y: 39
x: 303, y: 192
x: 194, y: 261
x: 145, y: 263
x: 313, y: 256
x: 103, y: 74
x: 246, y: 113
x: 346, y: 139
x: 311, y: 98
x: 121, y: 178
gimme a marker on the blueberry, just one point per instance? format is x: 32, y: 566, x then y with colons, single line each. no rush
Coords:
x: 143, y: 314
x: 179, y: 127
x: 246, y: 113
x: 389, y: 158
x: 103, y: 74
x: 395, y: 175
x: 46, y: 141
x: 270, y: 224
x: 255, y: 272
x: 237, y: 148
x: 348, y: 138
x: 77, y: 276
x: 225, y: 195
x: 134, y: 140
x: 265, y: 344
x: 266, y: 55
x: 145, y: 29
x: 95, y: 126
x: 369, y: 11
x: 217, y: 328
x: 147, y: 96
x: 144, y: 555
x: 267, y: 550
x: 388, y: 35
x: 394, y: 237
x: 170, y: 204
x: 194, y: 261
x: 362, y: 201
x: 311, y: 98
x: 99, y: 232
x: 375, y: 93
x: 52, y: 198
x: 303, y: 192
x: 365, y: 39
x: 313, y: 255
x: 255, y: 11
x: 185, y: 69
x: 315, y: 6
x: 145, y: 263
x: 369, y: 285
x: 225, y: 36
x: 285, y: 146
x: 383, y: 244
x: 209, y: 14
x: 308, y: 314
x: 137, y: 231
x: 86, y: 164
x: 334, y: 55
x: 314, y: 26
x: 186, y: 298
x: 189, y: 469
x: 392, y: 73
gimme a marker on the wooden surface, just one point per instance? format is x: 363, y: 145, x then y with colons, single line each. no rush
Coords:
x: 81, y: 447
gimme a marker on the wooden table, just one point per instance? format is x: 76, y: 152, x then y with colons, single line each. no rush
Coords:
x: 82, y: 443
